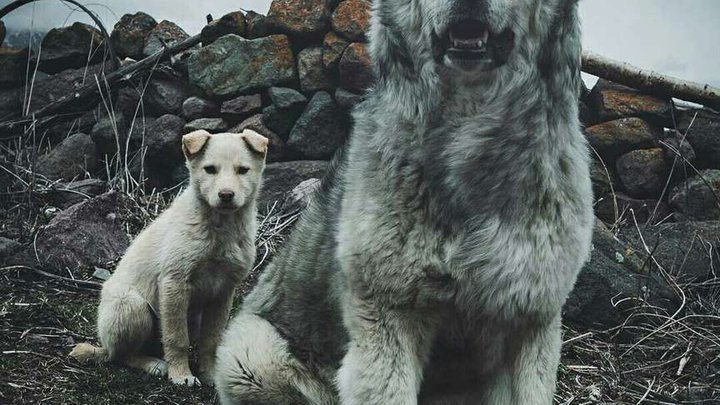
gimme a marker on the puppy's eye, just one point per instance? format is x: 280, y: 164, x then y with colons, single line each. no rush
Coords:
x: 242, y: 170
x: 210, y: 169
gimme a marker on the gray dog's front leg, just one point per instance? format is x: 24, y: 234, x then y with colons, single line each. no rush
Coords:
x: 385, y: 357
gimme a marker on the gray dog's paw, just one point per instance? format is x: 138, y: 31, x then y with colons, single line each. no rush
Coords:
x: 189, y: 379
x: 158, y: 369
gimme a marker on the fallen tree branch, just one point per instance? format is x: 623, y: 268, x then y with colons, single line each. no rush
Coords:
x: 52, y: 112
x: 650, y: 82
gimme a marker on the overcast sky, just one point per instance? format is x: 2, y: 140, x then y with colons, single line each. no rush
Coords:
x: 679, y: 38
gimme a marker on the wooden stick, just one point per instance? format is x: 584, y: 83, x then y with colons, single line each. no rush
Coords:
x: 14, y: 128
x: 650, y: 82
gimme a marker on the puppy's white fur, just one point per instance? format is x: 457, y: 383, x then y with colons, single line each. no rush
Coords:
x: 178, y: 276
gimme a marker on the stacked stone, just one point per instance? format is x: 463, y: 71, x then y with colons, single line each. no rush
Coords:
x: 659, y: 161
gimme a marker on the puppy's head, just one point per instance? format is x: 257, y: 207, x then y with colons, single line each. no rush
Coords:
x: 225, y: 169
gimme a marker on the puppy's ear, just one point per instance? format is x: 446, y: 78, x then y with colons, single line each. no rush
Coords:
x: 255, y: 141
x: 193, y: 142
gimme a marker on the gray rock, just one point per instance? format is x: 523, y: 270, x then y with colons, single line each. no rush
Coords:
x: 276, y: 146
x: 64, y: 195
x: 284, y: 98
x: 686, y: 250
x: 166, y: 96
x: 615, y: 271
x: 166, y: 31
x: 164, y: 141
x: 333, y: 47
x: 320, y: 130
x: 613, y: 138
x: 48, y: 89
x: 645, y: 211
x: 611, y: 101
x: 8, y: 247
x: 281, y: 178
x: 9, y: 103
x: 232, y: 23
x: 256, y: 25
x: 12, y: 66
x: 347, y: 99
x: 241, y: 107
x: 232, y: 65
x: 603, y: 178
x: 302, y: 18
x: 678, y: 150
x: 90, y: 233
x: 312, y: 75
x: 351, y: 18
x: 643, y: 172
x: 102, y: 274
x: 212, y: 125
x: 128, y: 35
x: 356, y: 68
x: 110, y: 133
x: 703, y: 135
x: 127, y: 102
x: 70, y: 159
x: 698, y: 198
x: 196, y: 107
x: 287, y: 106
x: 69, y: 48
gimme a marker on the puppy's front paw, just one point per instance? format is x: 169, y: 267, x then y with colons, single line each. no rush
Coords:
x: 187, y: 379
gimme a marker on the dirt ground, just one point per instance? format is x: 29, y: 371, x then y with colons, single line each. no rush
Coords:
x: 41, y: 319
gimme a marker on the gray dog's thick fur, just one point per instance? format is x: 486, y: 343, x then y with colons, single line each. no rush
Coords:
x: 433, y: 264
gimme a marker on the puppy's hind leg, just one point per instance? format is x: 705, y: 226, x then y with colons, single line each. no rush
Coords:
x: 254, y: 365
x: 125, y: 324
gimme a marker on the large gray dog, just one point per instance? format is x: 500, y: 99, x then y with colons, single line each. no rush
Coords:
x: 433, y: 264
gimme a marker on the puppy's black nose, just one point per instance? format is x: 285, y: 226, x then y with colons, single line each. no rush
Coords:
x: 226, y: 195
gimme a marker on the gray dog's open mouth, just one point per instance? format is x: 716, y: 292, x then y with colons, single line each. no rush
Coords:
x: 471, y: 45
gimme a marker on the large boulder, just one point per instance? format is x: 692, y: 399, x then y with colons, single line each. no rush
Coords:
x: 287, y: 106
x: 613, y: 138
x: 12, y: 66
x: 643, y: 172
x: 333, y: 47
x: 304, y: 18
x: 613, y: 283
x: 166, y: 96
x: 686, y: 250
x: 698, y: 198
x: 320, y: 130
x: 167, y: 32
x: 356, y: 68
x: 128, y: 35
x: 90, y: 233
x: 702, y: 129
x: 313, y: 76
x: 612, y: 101
x: 70, y: 47
x: 241, y: 107
x: 351, y: 18
x: 276, y: 146
x: 232, y: 65
x: 232, y: 23
x: 70, y: 159
x: 281, y: 178
x: 196, y: 107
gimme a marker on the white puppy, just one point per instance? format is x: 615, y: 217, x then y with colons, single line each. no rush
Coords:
x: 178, y: 276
